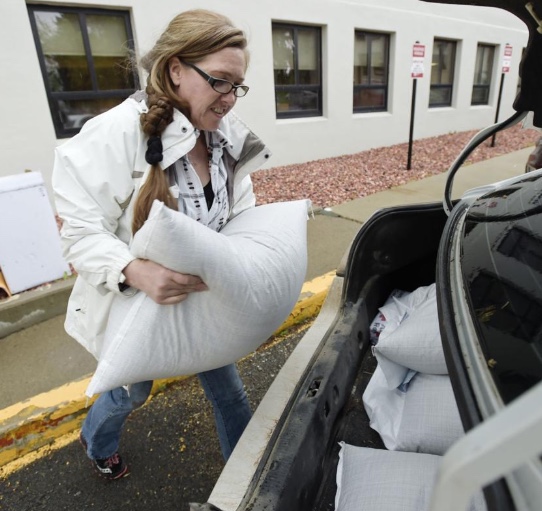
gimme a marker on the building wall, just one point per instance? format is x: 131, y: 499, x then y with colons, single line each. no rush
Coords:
x: 28, y: 137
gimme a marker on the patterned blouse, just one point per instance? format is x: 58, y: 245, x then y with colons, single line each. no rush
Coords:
x: 192, y: 197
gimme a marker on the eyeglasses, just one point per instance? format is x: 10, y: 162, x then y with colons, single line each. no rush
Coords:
x: 222, y: 86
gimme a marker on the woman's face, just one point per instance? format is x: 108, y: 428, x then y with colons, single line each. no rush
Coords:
x: 205, y: 106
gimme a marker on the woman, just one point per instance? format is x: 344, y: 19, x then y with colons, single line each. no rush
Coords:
x: 177, y: 142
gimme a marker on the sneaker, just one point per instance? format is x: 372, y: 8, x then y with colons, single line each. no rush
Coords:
x: 109, y: 468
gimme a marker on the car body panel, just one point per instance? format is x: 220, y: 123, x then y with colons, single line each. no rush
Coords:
x: 496, y: 211
x: 249, y: 456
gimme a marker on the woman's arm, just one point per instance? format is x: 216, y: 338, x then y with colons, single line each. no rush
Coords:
x: 162, y: 285
x: 93, y: 183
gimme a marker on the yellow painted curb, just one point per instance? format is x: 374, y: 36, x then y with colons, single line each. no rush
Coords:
x: 38, y: 421
x: 310, y: 301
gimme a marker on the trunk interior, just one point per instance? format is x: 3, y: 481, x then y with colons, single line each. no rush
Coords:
x: 395, y: 249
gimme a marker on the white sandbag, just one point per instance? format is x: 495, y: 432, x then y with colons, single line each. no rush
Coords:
x: 379, y: 480
x: 431, y: 422
x: 414, y: 344
x: 254, y: 268
x: 423, y: 419
x: 399, y: 305
x: 389, y: 315
x: 384, y: 407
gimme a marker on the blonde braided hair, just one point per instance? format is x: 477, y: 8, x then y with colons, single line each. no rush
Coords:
x: 191, y: 36
x: 153, y: 124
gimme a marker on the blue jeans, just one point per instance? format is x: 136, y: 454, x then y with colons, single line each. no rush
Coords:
x: 223, y: 388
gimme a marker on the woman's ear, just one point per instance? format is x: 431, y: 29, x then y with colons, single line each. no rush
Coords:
x: 175, y: 70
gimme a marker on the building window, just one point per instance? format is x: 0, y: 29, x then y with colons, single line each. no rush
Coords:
x: 83, y: 55
x: 485, y: 56
x: 371, y: 63
x: 297, y: 70
x: 442, y: 73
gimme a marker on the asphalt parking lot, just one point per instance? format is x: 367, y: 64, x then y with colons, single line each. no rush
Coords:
x: 170, y: 444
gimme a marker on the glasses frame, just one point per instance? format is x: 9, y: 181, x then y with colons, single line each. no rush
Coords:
x: 212, y: 81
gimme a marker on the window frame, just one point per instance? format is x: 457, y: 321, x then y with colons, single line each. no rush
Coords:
x: 479, y: 86
x: 443, y: 86
x: 385, y: 87
x: 296, y: 87
x: 54, y: 98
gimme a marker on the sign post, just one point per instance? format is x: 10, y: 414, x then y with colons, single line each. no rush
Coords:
x: 416, y: 71
x: 507, y: 58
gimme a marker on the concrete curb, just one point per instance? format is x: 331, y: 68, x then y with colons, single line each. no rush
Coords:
x: 23, y: 310
x: 37, y: 422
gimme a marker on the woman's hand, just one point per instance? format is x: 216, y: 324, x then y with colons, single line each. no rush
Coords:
x: 164, y: 286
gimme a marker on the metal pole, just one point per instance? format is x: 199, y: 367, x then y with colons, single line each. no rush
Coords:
x: 498, y: 109
x: 412, y: 110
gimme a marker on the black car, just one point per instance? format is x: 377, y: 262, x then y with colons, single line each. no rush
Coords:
x: 348, y: 425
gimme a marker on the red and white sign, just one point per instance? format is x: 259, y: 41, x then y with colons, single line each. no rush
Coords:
x: 418, y: 56
x: 418, y: 50
x: 507, y: 59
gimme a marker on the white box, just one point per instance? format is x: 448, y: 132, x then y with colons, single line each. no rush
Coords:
x: 30, y: 252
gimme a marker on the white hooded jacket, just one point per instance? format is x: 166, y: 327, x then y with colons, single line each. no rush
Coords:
x: 96, y: 178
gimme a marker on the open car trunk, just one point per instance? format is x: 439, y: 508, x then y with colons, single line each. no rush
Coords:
x: 396, y: 249
x: 288, y: 458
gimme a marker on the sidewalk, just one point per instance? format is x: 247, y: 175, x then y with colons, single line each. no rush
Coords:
x: 44, y: 373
